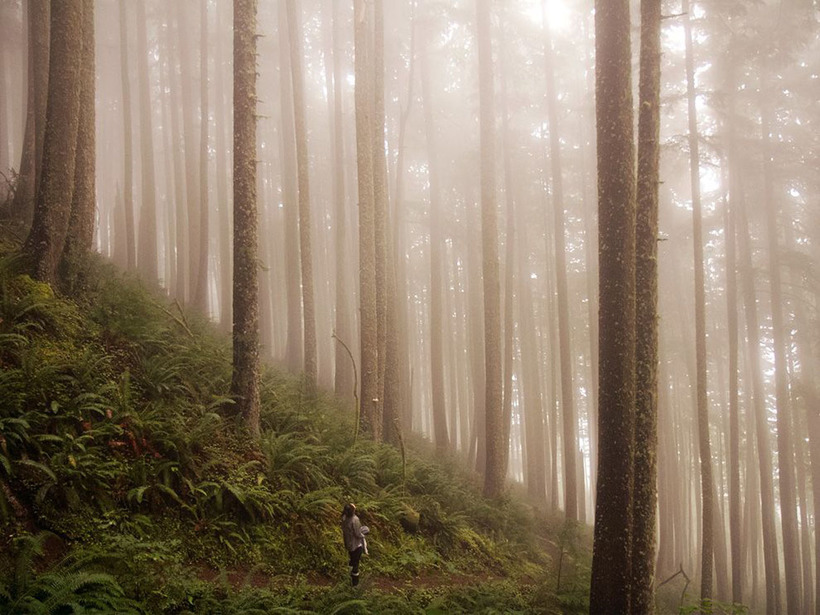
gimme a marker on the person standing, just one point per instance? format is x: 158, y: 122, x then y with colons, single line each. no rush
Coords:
x: 354, y: 538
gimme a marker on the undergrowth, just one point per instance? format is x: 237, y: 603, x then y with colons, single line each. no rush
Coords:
x: 130, y: 485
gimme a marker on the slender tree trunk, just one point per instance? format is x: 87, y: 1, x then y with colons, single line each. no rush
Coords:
x: 611, y: 561
x: 222, y: 133
x: 303, y: 170
x: 644, y: 541
x: 441, y: 437
x: 343, y: 327
x: 201, y: 283
x: 294, y: 356
x: 785, y: 444
x: 380, y: 197
x: 367, y: 249
x: 770, y: 554
x: 533, y: 412
x: 147, y: 258
x: 734, y: 418
x: 245, y: 381
x: 128, y: 143
x: 44, y: 244
x: 192, y: 195
x: 31, y: 160
x: 494, y: 432
x: 707, y: 480
x: 569, y: 420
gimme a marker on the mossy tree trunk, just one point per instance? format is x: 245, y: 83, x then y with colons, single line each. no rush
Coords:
x: 611, y: 561
x: 44, y: 245
x: 245, y: 381
x: 646, y: 313
x: 80, y: 236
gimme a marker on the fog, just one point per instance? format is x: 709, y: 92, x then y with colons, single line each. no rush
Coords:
x: 483, y: 199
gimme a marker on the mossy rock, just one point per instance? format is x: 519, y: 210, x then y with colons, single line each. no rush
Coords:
x: 409, y: 519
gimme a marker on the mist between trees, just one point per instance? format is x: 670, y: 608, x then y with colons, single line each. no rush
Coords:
x: 435, y: 209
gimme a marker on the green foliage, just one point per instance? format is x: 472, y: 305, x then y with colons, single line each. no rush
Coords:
x: 117, y: 433
x: 72, y: 586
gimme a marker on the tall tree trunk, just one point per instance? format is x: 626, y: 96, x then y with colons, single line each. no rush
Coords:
x: 494, y: 433
x: 533, y: 412
x: 367, y: 249
x: 44, y: 244
x: 294, y: 355
x: 147, y: 247
x: 770, y: 553
x: 785, y: 444
x: 611, y: 561
x: 222, y: 131
x: 80, y: 236
x: 700, y: 322
x: 192, y: 196
x: 31, y: 162
x: 380, y: 196
x: 569, y: 420
x: 303, y: 170
x: 128, y: 143
x: 343, y: 384
x: 440, y: 434
x: 644, y: 542
x: 245, y: 380
x: 734, y: 414
x: 201, y: 283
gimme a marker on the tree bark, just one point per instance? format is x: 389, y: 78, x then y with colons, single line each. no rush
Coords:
x: 494, y: 433
x: 44, y: 245
x: 245, y: 380
x: 31, y: 161
x: 645, y: 503
x: 80, y: 236
x: 611, y: 561
x: 369, y: 363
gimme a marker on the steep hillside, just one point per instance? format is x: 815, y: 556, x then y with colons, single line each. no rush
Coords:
x: 129, y: 485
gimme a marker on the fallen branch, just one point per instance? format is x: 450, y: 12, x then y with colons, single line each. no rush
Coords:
x: 685, y: 576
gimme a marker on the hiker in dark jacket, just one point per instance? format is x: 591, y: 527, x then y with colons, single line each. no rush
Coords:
x: 354, y: 536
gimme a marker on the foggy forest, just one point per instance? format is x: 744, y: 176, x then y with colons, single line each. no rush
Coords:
x: 533, y: 283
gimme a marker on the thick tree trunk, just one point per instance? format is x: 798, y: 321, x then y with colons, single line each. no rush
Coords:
x: 44, y: 245
x: 303, y: 170
x: 611, y: 562
x: 245, y: 381
x: 80, y: 236
x: 644, y: 541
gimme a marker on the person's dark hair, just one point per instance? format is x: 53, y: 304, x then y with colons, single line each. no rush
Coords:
x: 348, y: 511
